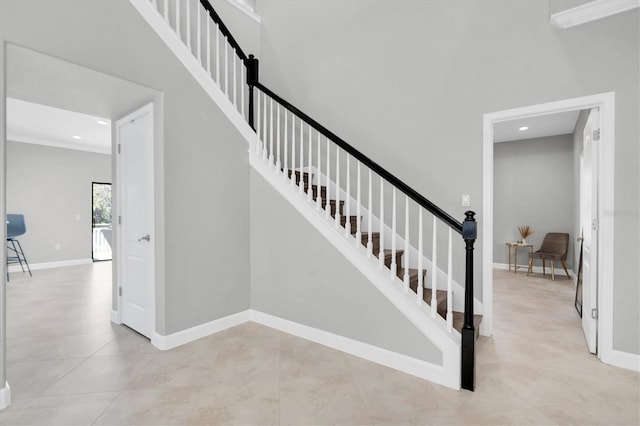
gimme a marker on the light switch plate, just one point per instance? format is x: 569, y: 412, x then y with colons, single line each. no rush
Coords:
x: 466, y: 200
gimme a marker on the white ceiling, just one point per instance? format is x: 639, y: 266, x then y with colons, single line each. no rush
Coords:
x: 539, y: 127
x: 45, y: 125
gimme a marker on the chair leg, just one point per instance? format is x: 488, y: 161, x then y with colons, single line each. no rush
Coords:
x: 544, y: 270
x: 564, y: 265
x: 530, y: 266
x: 553, y: 272
x: 23, y: 258
x: 15, y: 250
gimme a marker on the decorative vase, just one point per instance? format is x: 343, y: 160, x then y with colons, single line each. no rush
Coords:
x: 524, y: 241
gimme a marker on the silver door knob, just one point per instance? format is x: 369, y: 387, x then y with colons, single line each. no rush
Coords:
x: 146, y: 238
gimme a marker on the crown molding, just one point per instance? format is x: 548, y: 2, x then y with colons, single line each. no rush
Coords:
x: 591, y: 11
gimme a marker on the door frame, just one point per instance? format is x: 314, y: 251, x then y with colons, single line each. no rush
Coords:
x: 606, y: 104
x: 118, y: 185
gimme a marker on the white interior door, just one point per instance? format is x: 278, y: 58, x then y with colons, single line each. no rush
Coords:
x: 134, y: 136
x: 589, y: 226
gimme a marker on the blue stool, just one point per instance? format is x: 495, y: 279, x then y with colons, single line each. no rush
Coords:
x: 15, y: 254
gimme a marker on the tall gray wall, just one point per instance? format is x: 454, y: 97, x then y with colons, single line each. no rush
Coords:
x: 202, y: 199
x: 51, y: 187
x: 298, y: 275
x: 532, y: 179
x: 408, y: 82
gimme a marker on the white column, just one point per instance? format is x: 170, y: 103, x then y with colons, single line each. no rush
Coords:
x: 370, y: 217
x: 434, y: 267
x: 358, y: 210
x: 420, y: 289
x: 449, y: 283
x: 405, y: 257
x: 394, y: 266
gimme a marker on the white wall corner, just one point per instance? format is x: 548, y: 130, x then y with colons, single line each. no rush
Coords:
x: 188, y: 335
x: 446, y: 375
x: 622, y: 359
x: 592, y: 11
x: 5, y: 396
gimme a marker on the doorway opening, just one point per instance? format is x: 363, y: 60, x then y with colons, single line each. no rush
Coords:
x: 101, y: 222
x: 603, y: 181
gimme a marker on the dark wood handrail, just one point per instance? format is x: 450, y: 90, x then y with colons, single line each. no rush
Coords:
x: 389, y: 177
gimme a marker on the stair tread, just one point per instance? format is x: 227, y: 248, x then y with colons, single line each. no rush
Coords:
x: 458, y: 321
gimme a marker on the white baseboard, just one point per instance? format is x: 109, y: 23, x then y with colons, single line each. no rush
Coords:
x: 174, y: 340
x: 536, y: 269
x: 5, y: 396
x: 115, y: 317
x: 397, y: 361
x: 51, y: 265
x: 623, y: 360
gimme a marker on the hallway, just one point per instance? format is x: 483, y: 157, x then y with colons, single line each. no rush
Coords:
x: 67, y: 364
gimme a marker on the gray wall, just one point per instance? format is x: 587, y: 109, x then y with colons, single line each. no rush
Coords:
x: 532, y: 179
x: 298, y: 275
x: 202, y: 198
x: 50, y: 186
x: 408, y: 83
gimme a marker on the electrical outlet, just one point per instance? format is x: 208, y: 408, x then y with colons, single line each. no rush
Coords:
x: 466, y: 200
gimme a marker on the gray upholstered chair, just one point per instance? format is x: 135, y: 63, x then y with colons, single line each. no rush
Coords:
x: 555, y: 246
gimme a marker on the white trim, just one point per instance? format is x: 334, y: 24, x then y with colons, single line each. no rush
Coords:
x: 536, y: 269
x: 606, y: 103
x: 5, y: 396
x: 182, y: 337
x: 623, y: 359
x: 246, y: 9
x: 416, y: 367
x: 591, y: 11
x: 190, y: 62
x: 62, y: 145
x: 435, y: 329
x: 51, y: 265
x: 115, y: 317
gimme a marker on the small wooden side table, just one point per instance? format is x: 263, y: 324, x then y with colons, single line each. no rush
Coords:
x: 515, y: 247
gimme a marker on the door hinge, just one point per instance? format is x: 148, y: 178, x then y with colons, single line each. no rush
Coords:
x: 120, y: 291
x: 119, y: 148
x: 596, y: 135
x: 594, y: 313
x: 594, y: 224
x: 119, y: 220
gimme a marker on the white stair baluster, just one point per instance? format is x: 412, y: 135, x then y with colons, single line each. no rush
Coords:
x: 226, y: 67
x: 234, y: 63
x: 258, y: 123
x: 264, y: 128
x: 405, y: 257
x: 278, y: 137
x: 271, y: 132
x: 450, y: 284
x: 199, y: 34
x: 358, y: 210
x: 218, y: 57
x: 188, y: 16
x: 347, y: 199
x: 337, y: 218
x: 318, y: 182
x: 165, y: 11
x: 285, y: 171
x: 434, y: 273
x: 301, y: 183
x: 327, y: 210
x: 309, y: 181
x: 208, y: 44
x: 369, y: 218
x: 293, y: 149
x: 243, y: 78
x: 178, y: 19
x: 394, y: 266
x: 420, y: 289
x: 381, y: 238
x: 154, y: 3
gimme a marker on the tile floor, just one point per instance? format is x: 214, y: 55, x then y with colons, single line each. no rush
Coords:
x: 68, y: 365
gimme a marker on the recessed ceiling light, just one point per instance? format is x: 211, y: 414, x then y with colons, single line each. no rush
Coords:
x: 523, y: 128
x: 102, y: 122
x: 77, y: 137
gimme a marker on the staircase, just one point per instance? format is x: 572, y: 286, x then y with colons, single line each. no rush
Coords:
x: 369, y: 215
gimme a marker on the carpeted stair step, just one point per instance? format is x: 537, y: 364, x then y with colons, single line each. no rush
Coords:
x: 388, y: 257
x: 314, y: 191
x: 458, y: 322
x: 353, y: 220
x: 299, y: 174
x: 333, y: 206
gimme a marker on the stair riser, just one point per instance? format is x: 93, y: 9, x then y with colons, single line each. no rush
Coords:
x: 353, y: 222
x: 375, y: 240
x: 305, y: 176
